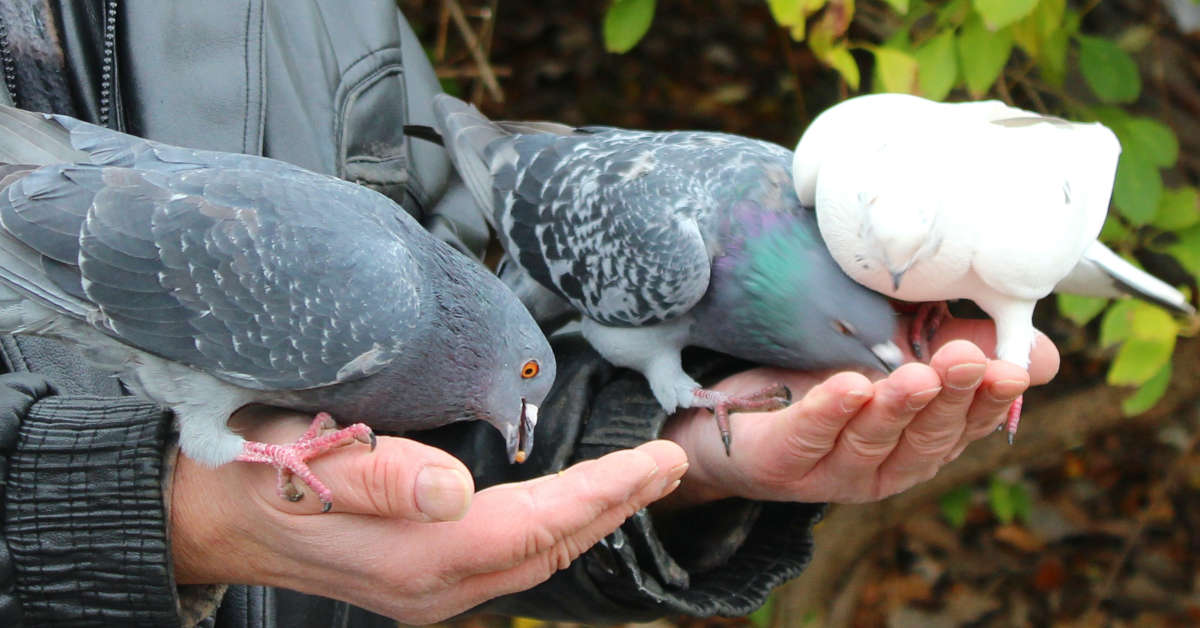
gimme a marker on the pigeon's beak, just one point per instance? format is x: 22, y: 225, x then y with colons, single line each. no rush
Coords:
x: 896, y: 277
x: 520, y: 440
x: 889, y: 356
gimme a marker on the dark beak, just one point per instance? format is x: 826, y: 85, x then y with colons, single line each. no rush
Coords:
x: 896, y: 277
x: 520, y: 440
x: 889, y: 356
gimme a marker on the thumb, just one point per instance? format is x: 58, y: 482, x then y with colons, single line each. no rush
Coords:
x: 401, y: 479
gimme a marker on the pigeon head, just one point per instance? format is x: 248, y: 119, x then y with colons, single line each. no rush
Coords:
x: 898, y: 231
x: 525, y: 372
x: 785, y: 291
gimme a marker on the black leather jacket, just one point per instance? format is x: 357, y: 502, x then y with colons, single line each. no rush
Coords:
x: 326, y: 84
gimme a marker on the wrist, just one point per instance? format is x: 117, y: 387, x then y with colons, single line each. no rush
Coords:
x: 702, y: 483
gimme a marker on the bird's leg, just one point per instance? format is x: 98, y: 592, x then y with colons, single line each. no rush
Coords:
x: 291, y: 460
x: 925, y: 324
x: 1014, y: 418
x: 770, y: 398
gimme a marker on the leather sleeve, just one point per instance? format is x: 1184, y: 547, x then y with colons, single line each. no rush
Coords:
x: 722, y: 559
x: 84, y: 529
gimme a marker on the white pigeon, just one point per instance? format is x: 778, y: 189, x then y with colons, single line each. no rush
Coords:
x: 926, y: 201
x: 866, y: 122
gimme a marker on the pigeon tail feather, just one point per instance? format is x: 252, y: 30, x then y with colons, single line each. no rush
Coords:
x: 467, y: 133
x: 1103, y: 273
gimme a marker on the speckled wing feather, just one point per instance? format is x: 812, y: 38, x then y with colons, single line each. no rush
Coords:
x: 260, y: 273
x: 618, y: 221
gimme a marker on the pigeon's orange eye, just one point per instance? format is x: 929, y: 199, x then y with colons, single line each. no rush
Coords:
x: 530, y: 369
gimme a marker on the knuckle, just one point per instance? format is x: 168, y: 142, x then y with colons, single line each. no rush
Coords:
x: 930, y: 443
x: 379, y: 480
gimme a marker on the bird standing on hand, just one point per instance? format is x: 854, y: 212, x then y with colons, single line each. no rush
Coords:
x: 928, y: 201
x: 212, y: 280
x: 667, y: 240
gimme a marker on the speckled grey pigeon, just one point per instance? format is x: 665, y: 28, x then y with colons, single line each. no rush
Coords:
x: 211, y: 280
x: 665, y: 240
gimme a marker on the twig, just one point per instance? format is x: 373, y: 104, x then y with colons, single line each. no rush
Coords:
x: 485, y: 69
x: 1169, y: 484
x: 443, y: 29
x: 472, y: 72
x: 488, y: 15
x: 1002, y: 88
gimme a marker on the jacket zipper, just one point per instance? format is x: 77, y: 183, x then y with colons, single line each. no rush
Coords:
x: 108, y: 63
x: 8, y: 65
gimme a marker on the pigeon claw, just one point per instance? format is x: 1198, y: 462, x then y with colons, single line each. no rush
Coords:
x: 925, y: 324
x: 768, y: 399
x: 291, y: 461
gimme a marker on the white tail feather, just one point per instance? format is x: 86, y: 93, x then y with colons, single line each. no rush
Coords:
x: 1102, y: 273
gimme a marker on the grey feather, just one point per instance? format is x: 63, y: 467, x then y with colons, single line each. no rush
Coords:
x: 655, y: 239
x: 267, y: 282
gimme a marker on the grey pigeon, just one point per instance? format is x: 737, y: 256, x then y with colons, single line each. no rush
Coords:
x: 667, y: 240
x: 212, y: 280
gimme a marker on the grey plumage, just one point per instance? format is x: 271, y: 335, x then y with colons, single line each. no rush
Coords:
x: 212, y: 280
x: 663, y: 240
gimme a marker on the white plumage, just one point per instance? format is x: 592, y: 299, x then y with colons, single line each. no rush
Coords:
x: 927, y: 201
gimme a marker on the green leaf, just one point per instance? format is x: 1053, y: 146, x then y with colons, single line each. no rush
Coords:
x: 1052, y: 62
x: 1151, y: 341
x: 1114, y: 231
x: 1153, y: 323
x: 790, y: 14
x: 1138, y: 189
x: 1151, y: 138
x: 1001, y: 13
x: 982, y: 54
x: 1078, y: 309
x: 1178, y: 209
x: 625, y: 23
x: 955, y: 504
x: 1109, y: 71
x: 762, y: 618
x: 1187, y: 249
x: 840, y: 59
x: 895, y: 71
x: 1117, y: 324
x: 901, y: 6
x: 1138, y: 360
x: 1022, y: 504
x: 1000, y: 497
x: 1149, y: 393
x: 937, y: 66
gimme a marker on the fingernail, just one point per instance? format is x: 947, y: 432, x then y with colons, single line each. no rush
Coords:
x: 1006, y: 390
x: 671, y: 488
x: 672, y: 478
x: 919, y: 400
x: 854, y: 400
x: 678, y: 470
x: 965, y: 376
x: 953, y: 456
x: 442, y: 494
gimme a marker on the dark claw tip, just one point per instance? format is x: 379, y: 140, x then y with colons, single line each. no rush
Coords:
x: 727, y: 440
x: 1011, y: 436
x: 374, y: 441
x: 295, y: 497
x: 787, y: 394
x: 326, y: 507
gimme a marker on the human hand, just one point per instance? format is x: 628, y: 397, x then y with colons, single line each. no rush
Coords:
x: 408, y: 537
x: 848, y: 439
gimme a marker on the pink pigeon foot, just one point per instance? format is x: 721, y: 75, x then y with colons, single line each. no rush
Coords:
x: 770, y: 398
x: 1014, y: 418
x: 925, y: 324
x: 290, y: 460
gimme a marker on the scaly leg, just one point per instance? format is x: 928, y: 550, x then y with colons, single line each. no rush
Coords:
x: 768, y: 399
x: 291, y: 460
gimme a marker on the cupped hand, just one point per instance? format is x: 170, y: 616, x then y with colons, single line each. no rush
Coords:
x: 408, y: 536
x: 850, y: 439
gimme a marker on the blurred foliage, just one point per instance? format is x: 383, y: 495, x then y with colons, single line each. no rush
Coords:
x: 976, y: 49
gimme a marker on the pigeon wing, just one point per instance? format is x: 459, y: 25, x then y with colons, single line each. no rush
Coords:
x: 269, y: 278
x: 610, y: 222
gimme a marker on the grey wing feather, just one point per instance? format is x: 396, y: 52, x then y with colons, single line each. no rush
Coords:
x: 268, y: 277
x: 591, y: 216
